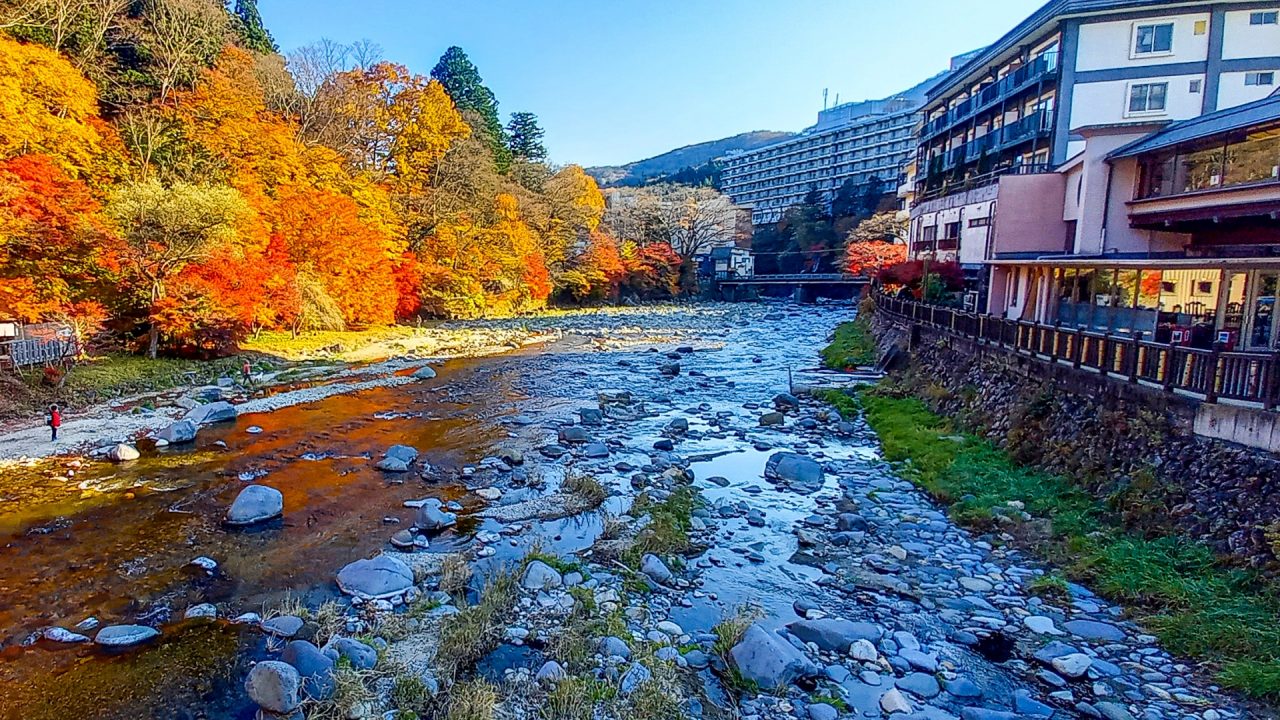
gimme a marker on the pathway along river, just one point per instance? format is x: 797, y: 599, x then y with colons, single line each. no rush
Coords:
x: 116, y: 542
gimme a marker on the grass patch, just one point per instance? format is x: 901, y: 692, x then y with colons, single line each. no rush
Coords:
x: 834, y: 702
x: 472, y: 700
x: 1198, y: 606
x: 455, y: 575
x: 575, y: 698
x: 476, y: 630
x: 1050, y: 587
x: 410, y: 694
x: 667, y: 534
x: 852, y: 345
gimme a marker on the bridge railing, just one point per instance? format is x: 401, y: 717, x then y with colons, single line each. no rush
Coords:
x: 1211, y: 374
x: 801, y: 277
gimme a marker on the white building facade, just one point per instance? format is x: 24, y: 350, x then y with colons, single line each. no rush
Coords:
x: 863, y: 143
x: 1017, y: 108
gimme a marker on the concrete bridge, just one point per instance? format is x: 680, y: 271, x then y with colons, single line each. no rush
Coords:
x: 804, y: 287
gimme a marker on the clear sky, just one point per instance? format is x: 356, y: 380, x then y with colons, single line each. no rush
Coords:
x: 619, y: 80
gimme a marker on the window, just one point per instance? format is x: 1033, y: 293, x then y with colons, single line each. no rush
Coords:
x: 1168, y: 286
x: 1201, y: 27
x: 1147, y: 97
x: 951, y: 230
x: 979, y: 222
x: 1260, y: 78
x: 1203, y: 287
x: 1266, y: 17
x: 1195, y: 86
x: 1153, y: 39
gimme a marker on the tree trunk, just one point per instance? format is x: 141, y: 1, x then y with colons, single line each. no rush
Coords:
x: 155, y: 341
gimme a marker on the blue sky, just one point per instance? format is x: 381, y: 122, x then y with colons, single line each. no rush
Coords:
x: 620, y: 80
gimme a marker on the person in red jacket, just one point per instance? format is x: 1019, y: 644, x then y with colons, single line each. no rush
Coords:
x: 55, y: 422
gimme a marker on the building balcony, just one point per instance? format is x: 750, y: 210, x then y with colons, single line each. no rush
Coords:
x: 1041, y: 69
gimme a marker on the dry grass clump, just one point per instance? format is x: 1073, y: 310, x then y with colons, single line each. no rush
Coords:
x: 330, y: 619
x: 613, y: 527
x: 472, y: 700
x: 575, y: 698
x: 730, y: 630
x: 410, y: 694
x: 586, y: 489
x: 455, y: 575
x: 352, y: 687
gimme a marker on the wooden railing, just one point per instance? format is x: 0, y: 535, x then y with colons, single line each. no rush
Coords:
x: 1211, y: 374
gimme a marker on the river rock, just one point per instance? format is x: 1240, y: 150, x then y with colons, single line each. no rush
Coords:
x: 204, y: 611
x: 613, y: 647
x: 786, y: 401
x: 213, y: 412
x: 123, y: 453
x: 835, y: 634
x: 1094, y: 630
x: 551, y: 671
x: 283, y: 626
x: 392, y: 465
x: 772, y: 418
x: 670, y: 369
x: 591, y: 416
x: 634, y: 678
x: 767, y: 660
x: 433, y: 518
x: 124, y: 635
x: 274, y: 686
x: 314, y: 667
x: 595, y: 450
x: 540, y: 576
x: 1072, y: 666
x: 794, y: 469
x: 424, y: 373
x: 894, y: 702
x: 177, y: 433
x: 377, y: 578
x: 403, y: 453
x: 255, y: 504
x: 657, y: 570
x: 574, y: 435
x: 360, y: 655
x: 63, y: 635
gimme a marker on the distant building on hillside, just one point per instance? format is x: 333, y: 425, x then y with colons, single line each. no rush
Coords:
x: 863, y: 143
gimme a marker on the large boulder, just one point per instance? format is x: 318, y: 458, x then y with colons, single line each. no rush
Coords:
x: 123, y: 453
x: 433, y: 518
x: 274, y: 686
x: 124, y: 635
x: 424, y: 373
x: 314, y: 667
x: 574, y: 435
x: 255, y: 504
x: 798, y: 471
x: 178, y: 433
x: 657, y: 570
x: 767, y: 660
x: 835, y: 634
x: 380, y: 577
x: 213, y: 412
x: 392, y: 465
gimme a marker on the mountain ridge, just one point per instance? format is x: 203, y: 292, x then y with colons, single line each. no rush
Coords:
x: 688, y: 157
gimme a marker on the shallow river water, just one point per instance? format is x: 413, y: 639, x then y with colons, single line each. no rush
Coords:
x: 115, y: 542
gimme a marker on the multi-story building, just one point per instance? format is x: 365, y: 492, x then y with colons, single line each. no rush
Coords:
x: 863, y: 143
x: 998, y: 130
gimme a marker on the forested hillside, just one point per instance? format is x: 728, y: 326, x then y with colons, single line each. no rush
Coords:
x: 168, y: 176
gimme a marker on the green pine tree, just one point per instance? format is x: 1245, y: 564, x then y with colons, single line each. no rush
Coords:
x: 462, y: 81
x: 253, y: 34
x: 524, y: 138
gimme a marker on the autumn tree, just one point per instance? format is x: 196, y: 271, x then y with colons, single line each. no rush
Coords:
x: 165, y: 229
x: 691, y: 220
x: 462, y: 81
x: 78, y: 28
x: 524, y: 138
x: 887, y: 226
x: 47, y: 107
x: 181, y: 37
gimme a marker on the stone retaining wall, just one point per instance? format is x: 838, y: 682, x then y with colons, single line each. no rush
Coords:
x: 1132, y: 445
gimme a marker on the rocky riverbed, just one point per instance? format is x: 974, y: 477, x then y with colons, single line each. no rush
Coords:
x: 637, y: 521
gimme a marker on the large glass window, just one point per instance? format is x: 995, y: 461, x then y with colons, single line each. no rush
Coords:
x: 1153, y: 39
x: 1264, y: 310
x: 1239, y: 159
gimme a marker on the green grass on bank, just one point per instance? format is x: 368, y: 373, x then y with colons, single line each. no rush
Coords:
x: 852, y: 346
x: 1175, y: 587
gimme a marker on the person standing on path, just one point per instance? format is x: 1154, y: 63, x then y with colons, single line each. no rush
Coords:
x: 247, y: 371
x: 55, y: 422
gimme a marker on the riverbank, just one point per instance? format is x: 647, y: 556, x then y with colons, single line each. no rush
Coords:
x: 1199, y: 605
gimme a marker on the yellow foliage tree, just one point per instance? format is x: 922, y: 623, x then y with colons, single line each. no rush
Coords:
x: 48, y: 107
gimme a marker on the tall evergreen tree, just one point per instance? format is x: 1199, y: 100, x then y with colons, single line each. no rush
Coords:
x: 524, y: 138
x: 462, y: 81
x: 253, y: 33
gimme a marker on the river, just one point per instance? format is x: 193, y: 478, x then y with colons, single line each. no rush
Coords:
x: 116, y: 543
